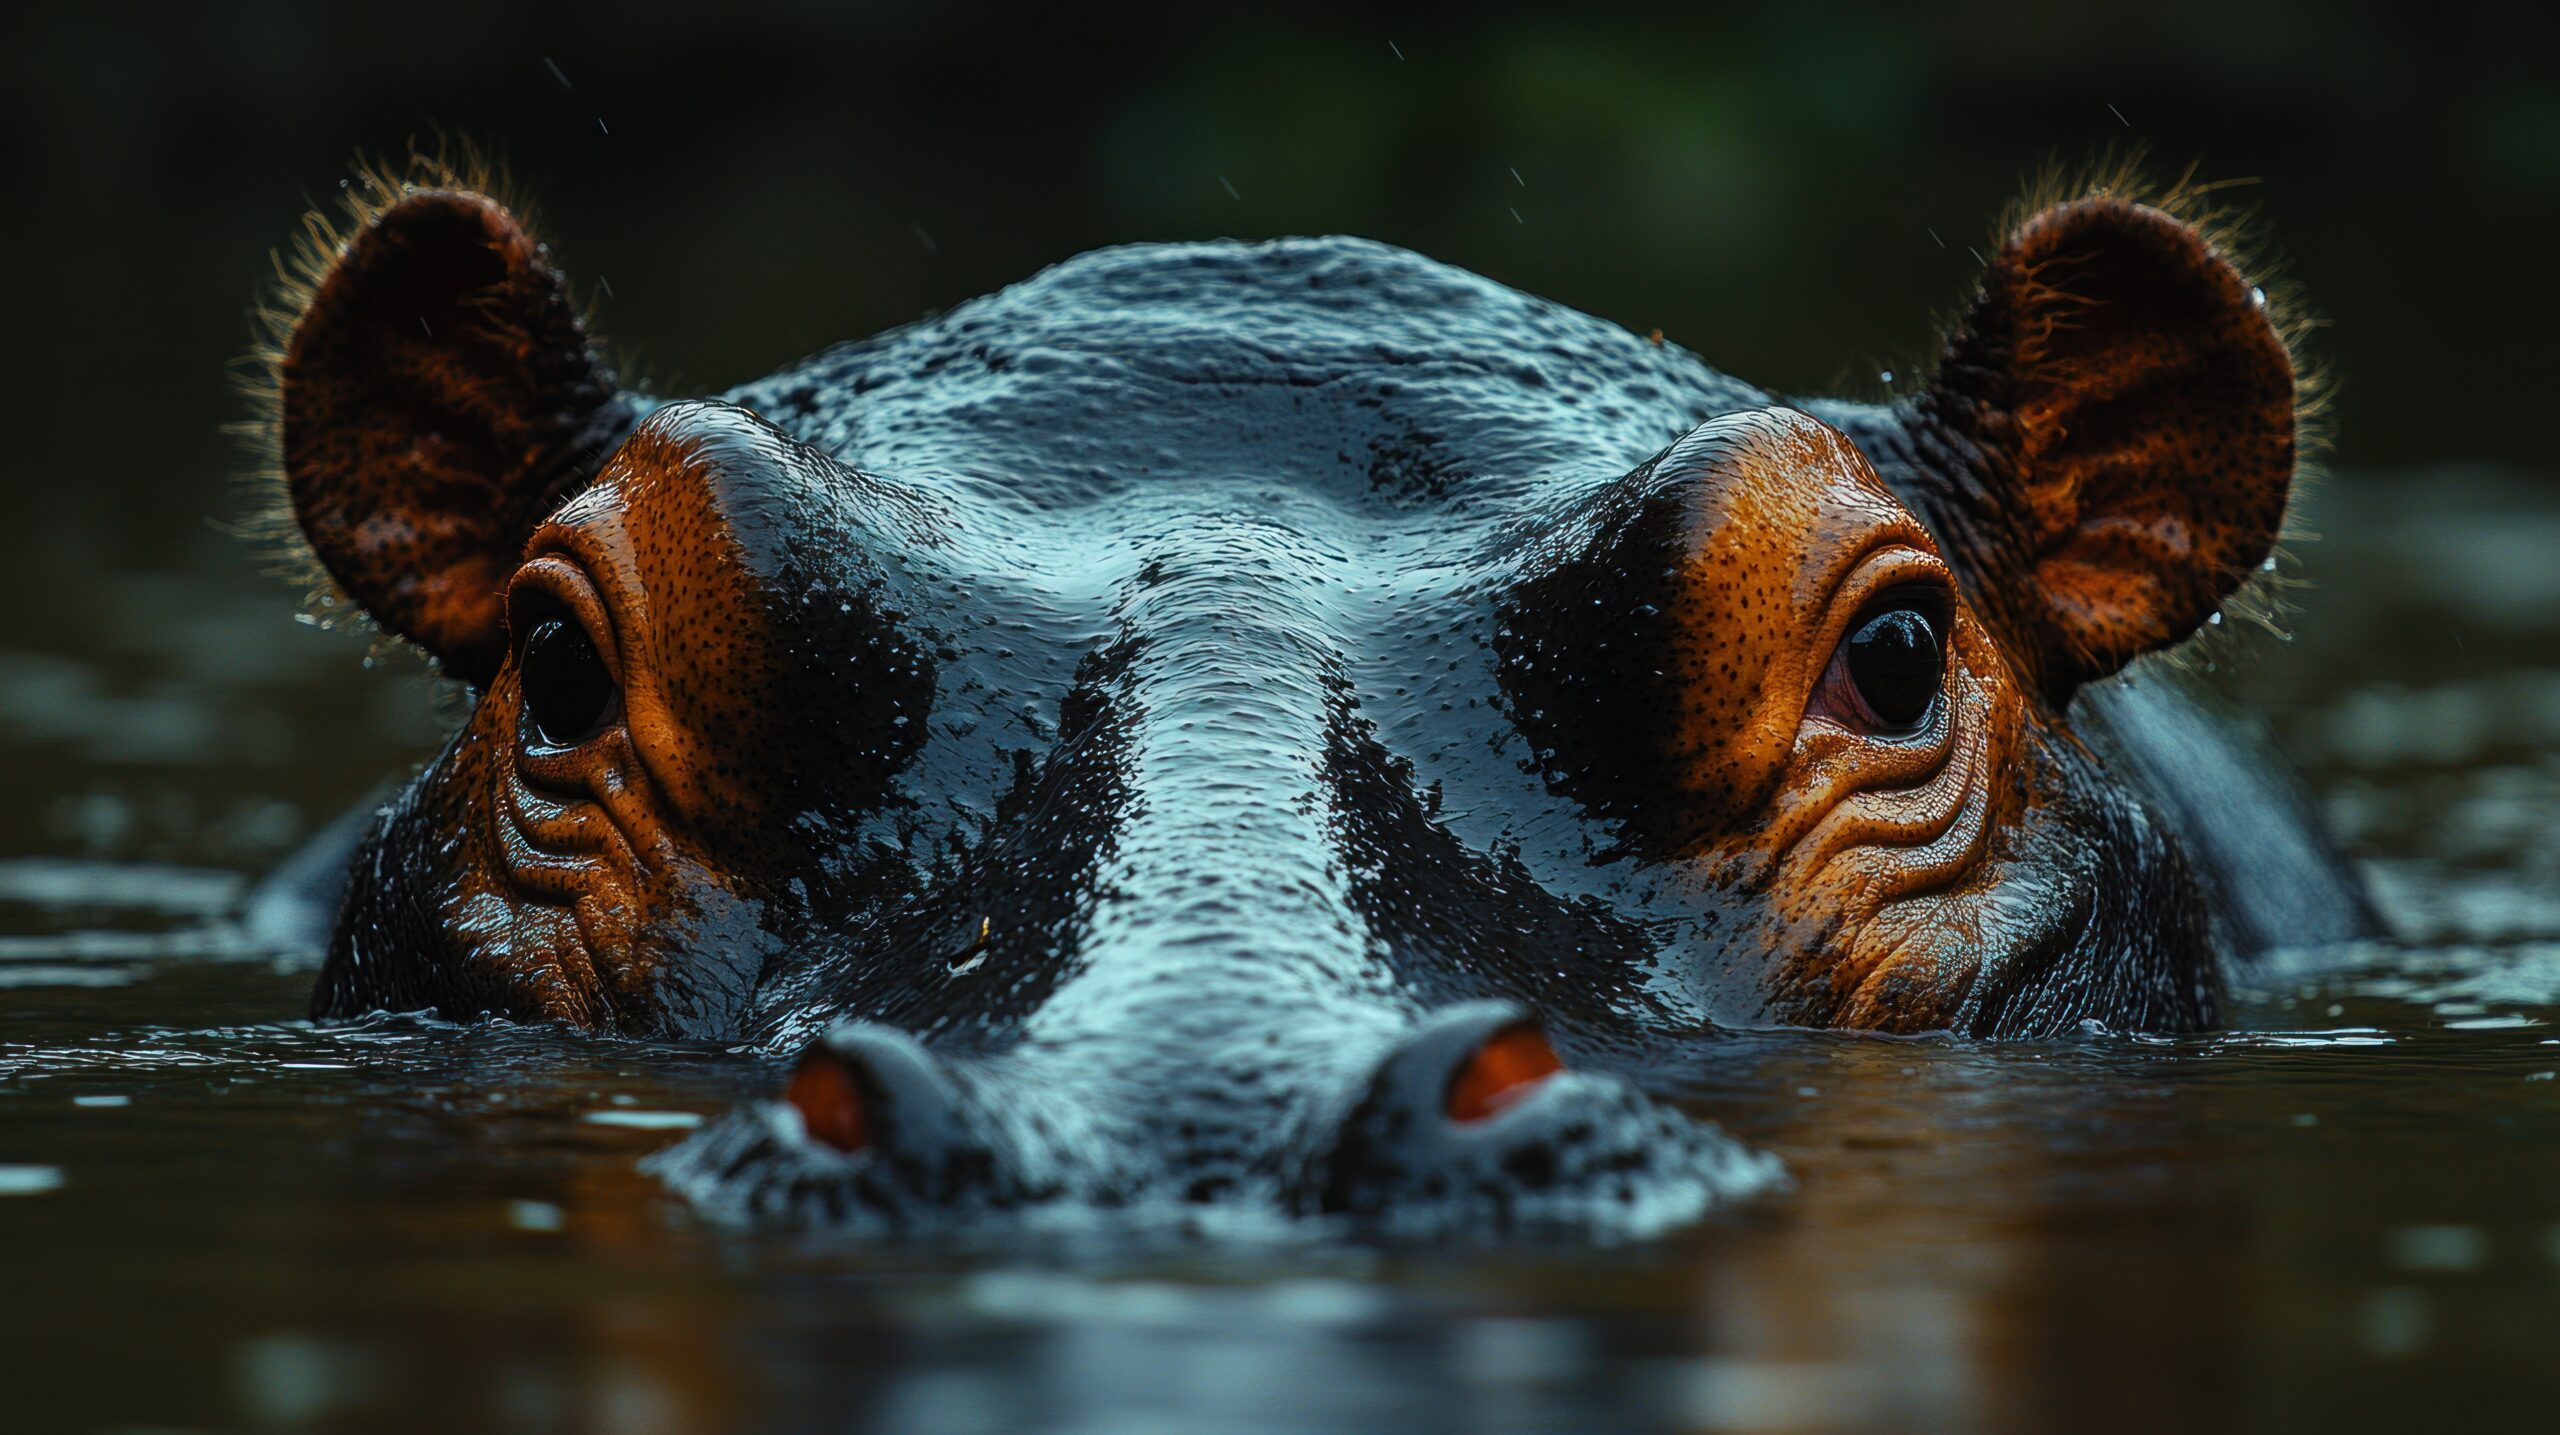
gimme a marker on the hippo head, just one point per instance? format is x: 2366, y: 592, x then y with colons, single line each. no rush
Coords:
x: 1291, y: 724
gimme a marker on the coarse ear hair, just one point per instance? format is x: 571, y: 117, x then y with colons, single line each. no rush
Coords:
x: 433, y: 394
x: 2107, y: 447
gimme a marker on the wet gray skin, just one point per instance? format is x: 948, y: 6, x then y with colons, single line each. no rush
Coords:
x: 1148, y: 730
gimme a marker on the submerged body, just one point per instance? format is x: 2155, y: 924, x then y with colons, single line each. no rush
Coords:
x: 1216, y: 721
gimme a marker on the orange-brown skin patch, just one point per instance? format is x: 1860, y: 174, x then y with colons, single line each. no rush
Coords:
x: 1873, y: 850
x: 656, y: 830
x: 597, y: 865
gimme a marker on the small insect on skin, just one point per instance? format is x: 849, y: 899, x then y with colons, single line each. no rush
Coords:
x: 1289, y: 723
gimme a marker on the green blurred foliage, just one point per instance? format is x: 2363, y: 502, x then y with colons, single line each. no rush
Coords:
x: 1792, y: 191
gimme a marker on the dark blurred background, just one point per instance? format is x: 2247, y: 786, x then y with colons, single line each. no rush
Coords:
x: 1791, y: 194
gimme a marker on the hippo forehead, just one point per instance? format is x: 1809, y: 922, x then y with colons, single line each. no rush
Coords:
x: 1261, y: 506
x: 1339, y: 367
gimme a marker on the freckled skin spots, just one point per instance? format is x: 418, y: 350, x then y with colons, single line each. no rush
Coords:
x: 1161, y: 726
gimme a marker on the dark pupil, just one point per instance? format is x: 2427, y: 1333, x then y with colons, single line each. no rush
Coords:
x: 566, y: 687
x: 1894, y: 661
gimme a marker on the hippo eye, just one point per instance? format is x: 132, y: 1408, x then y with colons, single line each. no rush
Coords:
x: 568, y: 691
x: 1886, y: 674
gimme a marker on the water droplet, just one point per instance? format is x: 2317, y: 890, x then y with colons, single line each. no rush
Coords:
x: 2257, y: 297
x: 2215, y: 620
x: 1886, y: 376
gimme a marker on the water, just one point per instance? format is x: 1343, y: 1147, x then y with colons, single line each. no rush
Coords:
x: 2346, y: 1209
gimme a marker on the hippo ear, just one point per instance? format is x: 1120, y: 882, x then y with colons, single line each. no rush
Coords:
x: 2107, y: 448
x: 435, y: 395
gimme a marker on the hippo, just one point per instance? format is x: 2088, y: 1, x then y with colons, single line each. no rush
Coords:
x: 1293, y: 727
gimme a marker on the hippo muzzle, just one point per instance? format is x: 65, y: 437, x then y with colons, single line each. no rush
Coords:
x: 1463, y: 1124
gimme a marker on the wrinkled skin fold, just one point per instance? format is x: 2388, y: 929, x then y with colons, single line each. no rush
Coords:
x: 1290, y: 727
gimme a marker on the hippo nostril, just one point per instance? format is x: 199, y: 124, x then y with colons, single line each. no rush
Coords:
x: 865, y: 1087
x: 1463, y: 1065
x: 833, y: 1107
x: 1473, y: 1118
x: 1501, y: 1070
x: 872, y: 1128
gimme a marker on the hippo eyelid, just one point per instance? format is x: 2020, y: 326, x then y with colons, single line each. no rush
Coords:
x: 553, y: 585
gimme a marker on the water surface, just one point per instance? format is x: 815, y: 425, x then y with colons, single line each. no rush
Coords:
x: 2345, y: 1209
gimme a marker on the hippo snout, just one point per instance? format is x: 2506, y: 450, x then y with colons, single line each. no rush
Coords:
x: 1468, y: 1121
